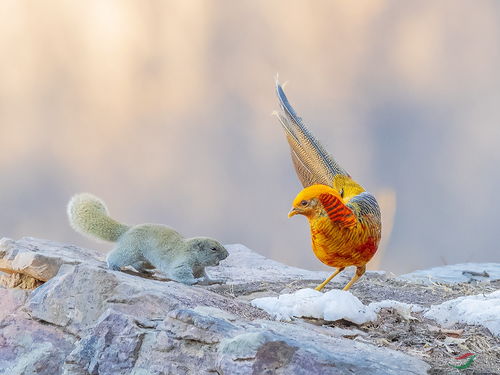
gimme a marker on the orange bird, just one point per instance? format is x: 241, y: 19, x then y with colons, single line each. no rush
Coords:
x: 344, y: 218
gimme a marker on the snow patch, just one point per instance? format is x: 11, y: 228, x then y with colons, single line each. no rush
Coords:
x: 332, y: 305
x: 482, y: 309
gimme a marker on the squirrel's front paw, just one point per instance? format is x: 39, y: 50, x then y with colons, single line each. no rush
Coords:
x: 208, y: 281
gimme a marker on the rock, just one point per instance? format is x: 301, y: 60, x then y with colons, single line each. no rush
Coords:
x: 455, y: 273
x: 86, y: 319
x: 110, y: 347
x: 244, y: 266
x: 79, y: 295
x: 42, y: 259
x: 12, y: 300
x: 31, y: 347
x: 298, y: 351
x: 18, y: 280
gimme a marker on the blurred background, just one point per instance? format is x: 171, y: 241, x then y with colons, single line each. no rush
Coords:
x: 163, y: 109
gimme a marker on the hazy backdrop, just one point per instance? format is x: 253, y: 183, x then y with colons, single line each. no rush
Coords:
x: 163, y: 109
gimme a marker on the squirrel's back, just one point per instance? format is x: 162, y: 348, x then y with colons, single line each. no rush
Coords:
x: 88, y: 215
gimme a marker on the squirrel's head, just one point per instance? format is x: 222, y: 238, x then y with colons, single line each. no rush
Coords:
x: 210, y: 251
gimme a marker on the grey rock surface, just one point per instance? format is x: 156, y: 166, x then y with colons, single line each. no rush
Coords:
x: 86, y: 319
x: 42, y: 259
x: 245, y: 266
x: 28, y: 346
x: 455, y: 273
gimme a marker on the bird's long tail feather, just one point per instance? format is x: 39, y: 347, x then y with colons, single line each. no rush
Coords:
x: 312, y: 163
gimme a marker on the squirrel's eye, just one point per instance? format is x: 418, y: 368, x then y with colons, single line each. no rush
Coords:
x: 304, y: 203
x: 213, y: 249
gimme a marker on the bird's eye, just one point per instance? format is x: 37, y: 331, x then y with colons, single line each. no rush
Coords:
x: 304, y: 203
x: 342, y: 193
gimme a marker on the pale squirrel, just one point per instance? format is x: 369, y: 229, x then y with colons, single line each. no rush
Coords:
x: 146, y: 246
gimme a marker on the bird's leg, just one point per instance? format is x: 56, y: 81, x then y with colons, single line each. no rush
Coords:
x: 322, y: 285
x: 359, y: 272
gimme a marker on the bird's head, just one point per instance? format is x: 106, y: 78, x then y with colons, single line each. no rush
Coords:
x: 307, y: 201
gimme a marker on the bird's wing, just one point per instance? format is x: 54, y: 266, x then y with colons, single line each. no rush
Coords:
x: 312, y: 163
x: 364, y: 204
x: 337, y: 211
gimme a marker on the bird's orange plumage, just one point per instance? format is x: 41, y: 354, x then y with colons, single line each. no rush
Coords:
x: 339, y: 239
x: 344, y: 219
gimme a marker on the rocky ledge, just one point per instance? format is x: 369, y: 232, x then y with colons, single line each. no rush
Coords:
x: 64, y: 312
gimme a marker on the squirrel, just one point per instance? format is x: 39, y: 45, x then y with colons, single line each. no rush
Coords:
x: 146, y: 246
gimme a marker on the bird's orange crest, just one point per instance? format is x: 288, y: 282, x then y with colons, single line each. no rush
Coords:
x: 314, y: 191
x: 332, y: 202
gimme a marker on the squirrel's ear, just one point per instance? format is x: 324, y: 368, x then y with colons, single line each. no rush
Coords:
x: 197, y: 243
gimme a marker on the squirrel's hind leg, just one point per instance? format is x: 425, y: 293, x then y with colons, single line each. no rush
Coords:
x: 121, y: 257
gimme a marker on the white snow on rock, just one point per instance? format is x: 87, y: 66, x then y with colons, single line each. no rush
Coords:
x: 483, y: 310
x: 455, y: 273
x: 332, y: 305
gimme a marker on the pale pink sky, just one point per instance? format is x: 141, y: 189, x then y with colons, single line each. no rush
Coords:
x: 163, y: 109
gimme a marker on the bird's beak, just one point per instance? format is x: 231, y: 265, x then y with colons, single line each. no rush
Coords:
x: 293, y: 212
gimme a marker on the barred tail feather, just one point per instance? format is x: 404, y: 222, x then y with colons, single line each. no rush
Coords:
x: 312, y: 163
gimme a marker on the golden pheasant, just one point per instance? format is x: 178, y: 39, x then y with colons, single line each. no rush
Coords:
x: 344, y: 218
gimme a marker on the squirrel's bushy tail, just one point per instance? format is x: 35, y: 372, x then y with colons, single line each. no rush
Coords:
x: 88, y: 215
